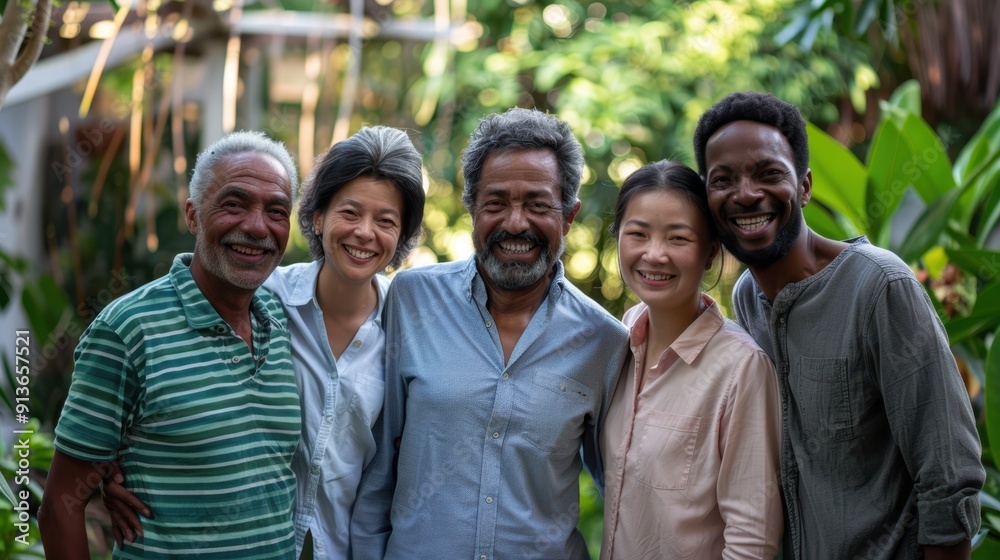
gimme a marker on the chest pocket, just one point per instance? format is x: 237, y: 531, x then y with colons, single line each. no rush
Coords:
x: 666, y: 450
x: 367, y: 397
x: 559, y: 406
x: 823, y: 397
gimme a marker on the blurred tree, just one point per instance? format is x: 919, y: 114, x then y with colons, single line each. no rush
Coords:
x: 631, y: 78
x: 949, y: 47
x: 24, y: 24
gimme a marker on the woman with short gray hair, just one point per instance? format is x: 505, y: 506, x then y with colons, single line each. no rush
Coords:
x: 360, y: 211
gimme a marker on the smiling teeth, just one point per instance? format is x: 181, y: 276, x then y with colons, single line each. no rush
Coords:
x: 360, y: 254
x: 655, y: 277
x: 752, y: 223
x: 516, y: 248
x: 247, y: 250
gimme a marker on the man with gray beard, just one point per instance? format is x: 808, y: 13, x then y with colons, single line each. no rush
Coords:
x: 187, y: 383
x: 498, y: 370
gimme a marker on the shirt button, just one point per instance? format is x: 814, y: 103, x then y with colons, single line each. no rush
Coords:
x: 357, y: 344
x: 314, y: 469
x: 489, y: 499
x: 562, y: 387
x: 782, y: 320
x: 496, y: 435
x: 482, y: 557
x: 236, y: 359
x: 489, y: 324
x: 219, y: 329
x: 504, y: 377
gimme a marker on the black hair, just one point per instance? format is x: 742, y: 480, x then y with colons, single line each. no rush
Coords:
x: 666, y: 176
x: 759, y: 107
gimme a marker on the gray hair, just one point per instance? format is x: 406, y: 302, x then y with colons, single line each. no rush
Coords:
x: 242, y: 142
x: 523, y: 129
x: 379, y: 152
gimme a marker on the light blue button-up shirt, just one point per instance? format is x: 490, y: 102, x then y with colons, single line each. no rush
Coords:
x: 478, y: 459
x: 341, y: 398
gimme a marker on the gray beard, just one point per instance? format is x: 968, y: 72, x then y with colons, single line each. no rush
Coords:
x: 216, y: 262
x: 515, y: 275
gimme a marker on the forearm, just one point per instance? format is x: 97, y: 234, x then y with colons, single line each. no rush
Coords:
x: 61, y: 518
x: 960, y: 551
x: 61, y: 523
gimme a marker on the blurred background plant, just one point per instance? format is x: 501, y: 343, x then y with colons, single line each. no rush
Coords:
x: 904, y: 86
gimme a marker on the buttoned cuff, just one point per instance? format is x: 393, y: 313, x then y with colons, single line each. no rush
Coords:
x: 949, y: 520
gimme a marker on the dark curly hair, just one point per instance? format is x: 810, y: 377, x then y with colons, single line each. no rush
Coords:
x: 379, y: 152
x: 523, y: 129
x: 758, y: 107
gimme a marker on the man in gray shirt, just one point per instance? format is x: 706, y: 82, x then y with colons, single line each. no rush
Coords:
x: 879, y: 454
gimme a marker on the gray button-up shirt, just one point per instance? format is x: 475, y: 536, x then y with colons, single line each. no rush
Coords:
x: 879, y: 453
x: 478, y: 458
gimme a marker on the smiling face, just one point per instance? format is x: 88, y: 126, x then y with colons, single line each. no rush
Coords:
x: 360, y: 228
x: 241, y: 225
x: 664, y: 249
x: 518, y: 222
x: 754, y: 194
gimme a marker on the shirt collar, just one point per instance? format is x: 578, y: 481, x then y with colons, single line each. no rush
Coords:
x: 197, y: 309
x: 692, y: 341
x: 302, y: 287
x: 792, y: 290
x: 382, y: 284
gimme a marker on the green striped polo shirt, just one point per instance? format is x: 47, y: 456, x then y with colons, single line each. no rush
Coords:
x: 203, y: 428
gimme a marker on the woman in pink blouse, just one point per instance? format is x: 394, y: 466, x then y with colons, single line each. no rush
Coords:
x: 690, y: 444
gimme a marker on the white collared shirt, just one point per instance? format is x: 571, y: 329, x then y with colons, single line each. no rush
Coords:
x: 341, y: 399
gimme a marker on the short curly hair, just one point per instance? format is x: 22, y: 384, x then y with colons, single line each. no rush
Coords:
x: 379, y: 152
x: 524, y: 129
x: 758, y: 107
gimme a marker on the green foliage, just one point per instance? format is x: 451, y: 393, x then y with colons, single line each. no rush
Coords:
x: 6, y: 173
x: 591, y: 515
x: 989, y: 550
x: 993, y: 398
x: 848, y: 18
x: 19, y: 514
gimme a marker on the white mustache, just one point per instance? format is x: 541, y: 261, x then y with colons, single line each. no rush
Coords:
x: 242, y: 238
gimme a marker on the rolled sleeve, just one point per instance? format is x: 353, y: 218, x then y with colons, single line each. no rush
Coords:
x: 949, y: 520
x: 929, y: 413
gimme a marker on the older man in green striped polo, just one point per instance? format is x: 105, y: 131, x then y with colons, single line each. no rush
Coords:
x: 187, y: 382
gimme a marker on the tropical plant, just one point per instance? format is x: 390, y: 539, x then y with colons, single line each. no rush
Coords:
x: 946, y: 46
x: 21, y: 463
x: 941, y: 218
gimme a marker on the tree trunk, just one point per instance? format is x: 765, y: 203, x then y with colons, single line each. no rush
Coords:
x: 24, y: 23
